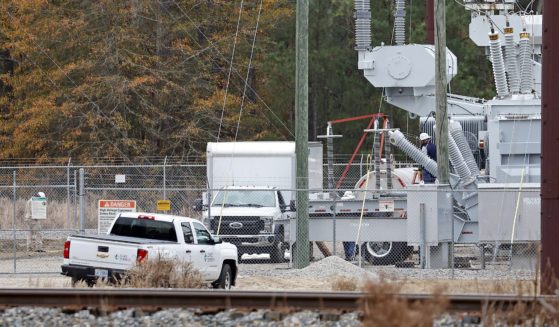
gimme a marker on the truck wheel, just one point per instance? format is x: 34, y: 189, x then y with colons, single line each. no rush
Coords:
x: 75, y: 280
x: 385, y: 253
x: 277, y: 252
x: 225, y: 278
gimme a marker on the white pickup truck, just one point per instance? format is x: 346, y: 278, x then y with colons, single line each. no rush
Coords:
x: 133, y: 237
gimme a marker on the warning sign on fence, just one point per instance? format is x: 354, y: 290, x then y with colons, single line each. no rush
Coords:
x: 39, y: 207
x: 163, y: 205
x: 108, y: 209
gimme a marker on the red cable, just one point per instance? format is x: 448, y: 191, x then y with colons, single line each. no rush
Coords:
x: 356, y: 118
x: 356, y: 149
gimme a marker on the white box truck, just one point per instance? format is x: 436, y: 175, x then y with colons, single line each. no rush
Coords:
x: 250, y: 196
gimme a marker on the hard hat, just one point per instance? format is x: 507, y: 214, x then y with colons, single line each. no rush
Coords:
x: 424, y: 136
x: 40, y: 195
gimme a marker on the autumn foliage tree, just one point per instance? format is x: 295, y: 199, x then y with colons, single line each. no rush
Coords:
x: 132, y: 78
x: 143, y: 78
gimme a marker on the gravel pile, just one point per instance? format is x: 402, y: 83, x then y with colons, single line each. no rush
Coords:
x: 30, y: 316
x: 326, y: 267
x: 332, y: 266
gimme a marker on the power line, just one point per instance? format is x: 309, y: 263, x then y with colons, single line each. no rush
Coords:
x: 234, y: 70
x: 248, y: 70
x: 229, y: 74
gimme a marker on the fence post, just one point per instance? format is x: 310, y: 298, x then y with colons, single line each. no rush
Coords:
x: 422, y: 248
x: 165, y: 179
x: 82, y: 208
x: 68, y: 192
x: 334, y: 198
x: 482, y: 249
x: 452, y: 246
x: 15, y: 224
x: 75, y: 197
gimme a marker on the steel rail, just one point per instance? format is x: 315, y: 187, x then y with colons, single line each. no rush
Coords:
x: 112, y: 299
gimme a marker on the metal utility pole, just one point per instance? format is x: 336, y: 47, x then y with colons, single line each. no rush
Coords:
x: 440, y: 92
x: 302, y: 132
x: 550, y: 144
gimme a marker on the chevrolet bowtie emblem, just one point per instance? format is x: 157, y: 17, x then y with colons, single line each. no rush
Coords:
x: 102, y: 255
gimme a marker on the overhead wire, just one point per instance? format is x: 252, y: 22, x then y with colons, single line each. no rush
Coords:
x: 248, y: 70
x: 230, y: 68
x: 218, y: 66
x: 234, y: 70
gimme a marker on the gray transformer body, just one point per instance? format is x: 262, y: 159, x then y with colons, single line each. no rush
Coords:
x: 494, y: 145
x: 500, y: 204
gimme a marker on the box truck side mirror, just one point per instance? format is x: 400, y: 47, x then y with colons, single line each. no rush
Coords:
x: 198, y: 205
x: 292, y: 206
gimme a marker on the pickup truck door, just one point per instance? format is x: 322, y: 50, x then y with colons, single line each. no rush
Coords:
x: 188, y: 236
x: 204, y: 256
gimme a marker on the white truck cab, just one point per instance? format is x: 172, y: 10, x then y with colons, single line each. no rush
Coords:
x: 255, y: 219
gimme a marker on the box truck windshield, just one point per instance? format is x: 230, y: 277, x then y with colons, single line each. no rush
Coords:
x: 245, y: 198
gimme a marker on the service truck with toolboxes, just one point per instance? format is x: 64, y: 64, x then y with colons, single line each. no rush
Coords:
x: 133, y: 237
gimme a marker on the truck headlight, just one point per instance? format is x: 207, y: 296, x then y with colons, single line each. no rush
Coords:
x: 268, y: 224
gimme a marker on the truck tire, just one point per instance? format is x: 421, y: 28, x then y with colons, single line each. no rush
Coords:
x: 277, y: 252
x: 385, y: 253
x: 75, y: 280
x: 225, y: 278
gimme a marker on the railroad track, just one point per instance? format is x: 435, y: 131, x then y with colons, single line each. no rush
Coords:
x: 154, y: 299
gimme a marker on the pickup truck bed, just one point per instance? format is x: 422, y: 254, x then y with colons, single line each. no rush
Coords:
x: 124, y: 239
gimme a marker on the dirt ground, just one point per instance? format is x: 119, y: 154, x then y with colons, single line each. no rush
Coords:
x: 50, y: 260
x: 50, y: 248
x: 259, y: 283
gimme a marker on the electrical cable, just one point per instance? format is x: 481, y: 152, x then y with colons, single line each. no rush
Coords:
x: 221, y: 69
x: 230, y: 68
x: 248, y: 70
x: 369, y: 162
x: 234, y: 70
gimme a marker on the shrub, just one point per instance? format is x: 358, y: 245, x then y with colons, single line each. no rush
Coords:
x: 162, y: 273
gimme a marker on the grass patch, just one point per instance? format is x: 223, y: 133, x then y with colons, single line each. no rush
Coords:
x: 383, y: 306
x: 344, y: 283
x: 156, y: 273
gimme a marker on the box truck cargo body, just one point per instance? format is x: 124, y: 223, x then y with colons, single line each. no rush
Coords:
x: 269, y: 164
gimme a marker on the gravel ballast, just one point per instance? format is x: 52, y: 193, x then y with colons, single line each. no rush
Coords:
x: 31, y: 316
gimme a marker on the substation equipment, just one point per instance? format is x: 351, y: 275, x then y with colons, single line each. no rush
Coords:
x: 494, y: 145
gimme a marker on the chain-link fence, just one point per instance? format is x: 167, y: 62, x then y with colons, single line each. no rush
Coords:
x: 424, y: 227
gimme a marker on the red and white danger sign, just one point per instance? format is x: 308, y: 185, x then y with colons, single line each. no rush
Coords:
x: 117, y: 204
x: 109, y: 209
